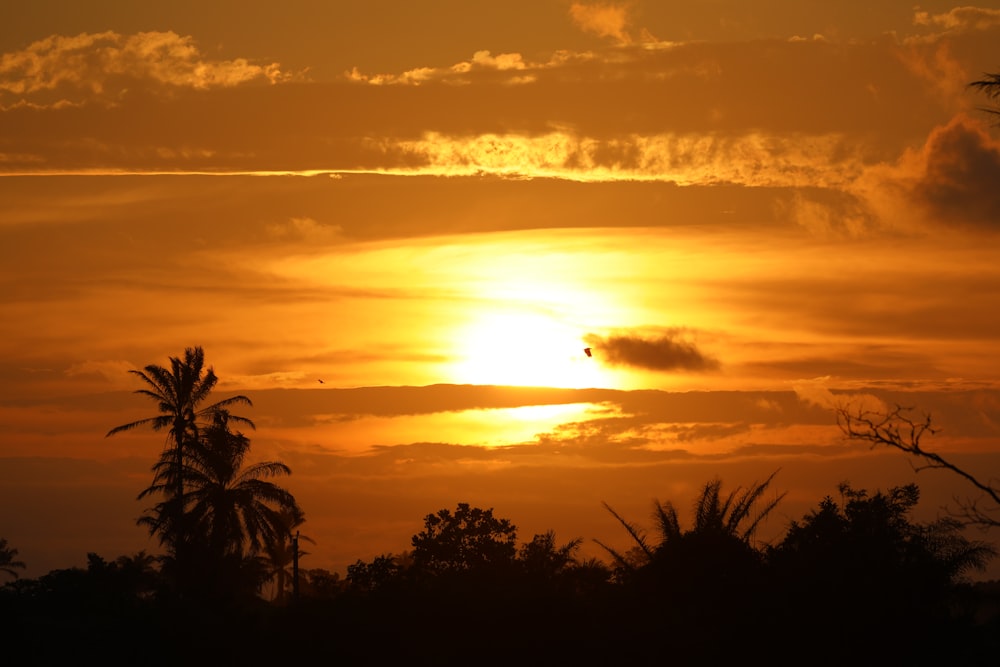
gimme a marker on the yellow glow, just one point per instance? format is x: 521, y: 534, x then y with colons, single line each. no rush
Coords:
x: 519, y: 347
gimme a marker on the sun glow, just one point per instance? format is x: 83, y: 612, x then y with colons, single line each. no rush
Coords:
x: 521, y: 348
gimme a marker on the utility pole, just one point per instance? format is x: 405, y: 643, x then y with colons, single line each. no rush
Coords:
x: 295, y: 567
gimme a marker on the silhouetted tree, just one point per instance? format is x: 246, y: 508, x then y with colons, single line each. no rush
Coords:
x: 180, y: 393
x: 546, y: 568
x: 873, y: 533
x: 735, y: 518
x: 232, y: 513
x: 281, y: 553
x: 470, y: 540
x: 380, y: 574
x: 321, y: 583
x: 700, y: 584
x: 140, y: 572
x: 542, y: 559
x: 862, y: 569
x: 8, y: 559
x: 897, y: 429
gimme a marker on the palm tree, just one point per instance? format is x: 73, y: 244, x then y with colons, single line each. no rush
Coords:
x: 231, y: 513
x: 8, y: 563
x: 734, y: 518
x: 283, y: 553
x: 180, y: 393
x: 707, y: 586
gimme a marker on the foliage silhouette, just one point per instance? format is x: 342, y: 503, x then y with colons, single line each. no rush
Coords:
x: 542, y: 559
x: 862, y: 566
x: 8, y: 559
x: 382, y: 573
x: 219, y: 516
x: 180, y: 393
x: 705, y: 582
x: 281, y: 552
x: 232, y: 506
x: 233, y: 514
x: 471, y: 540
x: 854, y: 581
x: 735, y: 518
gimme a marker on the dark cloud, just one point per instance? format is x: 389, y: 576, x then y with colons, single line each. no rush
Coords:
x: 666, y: 351
x: 297, y: 406
x: 959, y: 184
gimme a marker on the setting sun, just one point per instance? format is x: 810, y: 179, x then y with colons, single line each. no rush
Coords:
x: 522, y: 348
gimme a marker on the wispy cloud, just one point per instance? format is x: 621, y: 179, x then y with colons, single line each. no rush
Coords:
x: 959, y: 18
x: 755, y: 160
x: 305, y: 230
x: 602, y: 19
x: 60, y: 70
x: 511, y: 65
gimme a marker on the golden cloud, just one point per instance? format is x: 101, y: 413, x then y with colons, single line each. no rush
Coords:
x: 603, y: 20
x: 754, y: 159
x: 960, y: 18
x: 103, y: 65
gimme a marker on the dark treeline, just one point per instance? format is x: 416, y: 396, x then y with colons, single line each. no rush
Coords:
x: 854, y: 581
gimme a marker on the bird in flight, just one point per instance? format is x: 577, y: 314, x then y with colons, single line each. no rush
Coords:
x: 320, y: 381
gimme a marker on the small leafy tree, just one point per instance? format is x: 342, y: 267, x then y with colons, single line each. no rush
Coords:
x: 861, y: 568
x: 542, y: 559
x: 872, y: 533
x: 471, y: 540
x: 378, y: 575
x: 321, y: 583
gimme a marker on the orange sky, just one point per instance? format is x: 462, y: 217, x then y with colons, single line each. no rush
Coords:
x: 745, y: 213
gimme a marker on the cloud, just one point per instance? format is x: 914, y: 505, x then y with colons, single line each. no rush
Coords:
x: 753, y: 159
x: 692, y: 114
x: 115, y: 372
x: 64, y: 69
x: 950, y: 181
x: 603, y: 20
x: 510, y: 65
x: 960, y: 18
x: 305, y: 229
x: 816, y: 392
x: 663, y: 352
x: 958, y: 171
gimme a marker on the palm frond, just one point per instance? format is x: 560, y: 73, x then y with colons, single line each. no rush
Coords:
x: 617, y: 556
x: 637, y: 534
x: 133, y: 425
x: 666, y: 517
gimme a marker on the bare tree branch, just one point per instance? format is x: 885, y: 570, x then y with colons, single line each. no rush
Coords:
x: 896, y: 428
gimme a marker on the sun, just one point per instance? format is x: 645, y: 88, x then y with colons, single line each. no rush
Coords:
x: 523, y: 348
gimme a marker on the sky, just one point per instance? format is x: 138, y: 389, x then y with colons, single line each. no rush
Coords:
x: 395, y: 226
